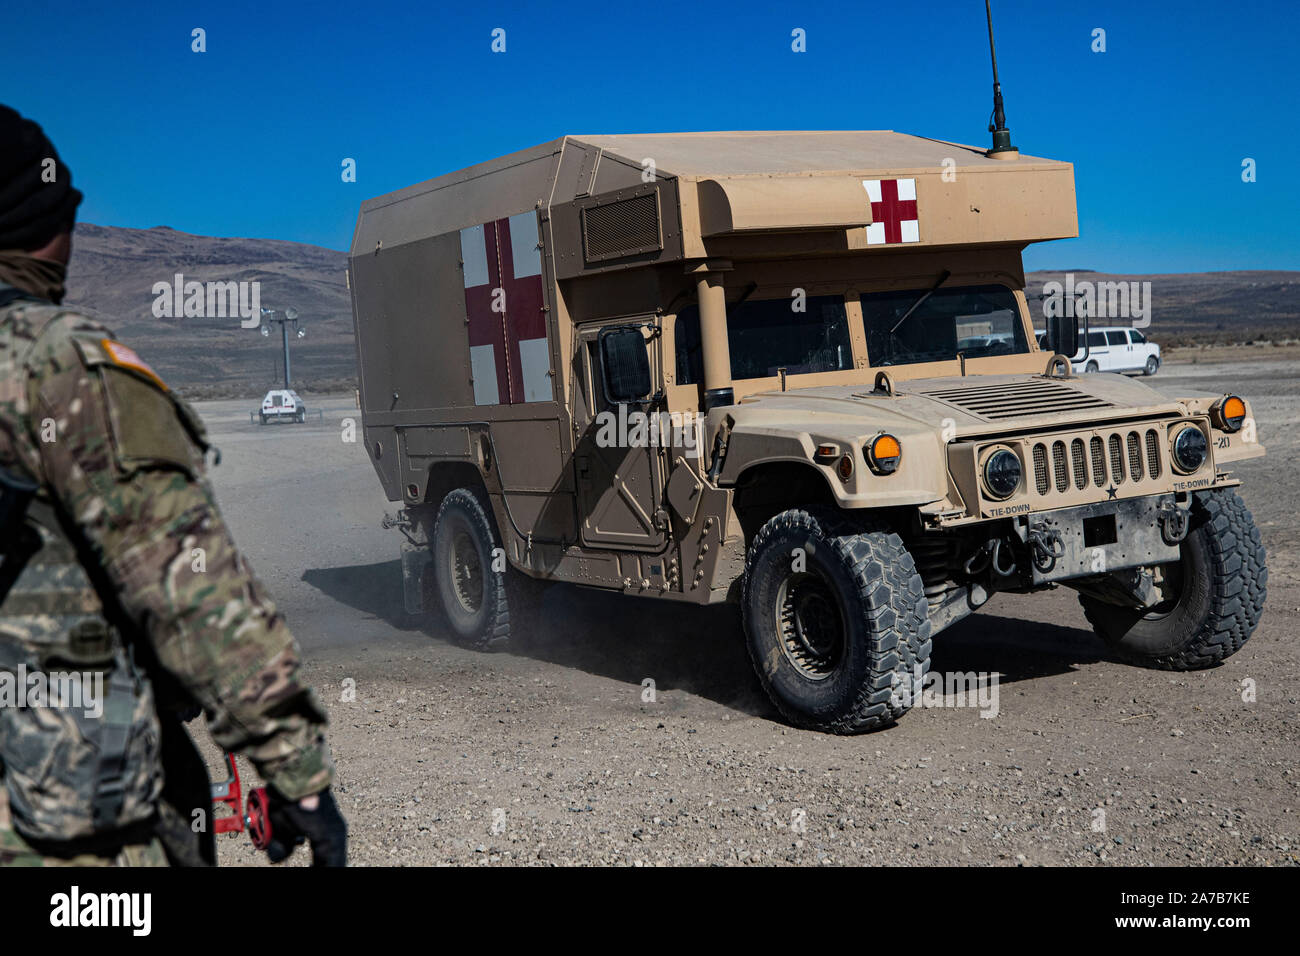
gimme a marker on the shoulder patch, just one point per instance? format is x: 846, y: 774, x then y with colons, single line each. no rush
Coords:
x: 100, y: 351
x: 146, y: 429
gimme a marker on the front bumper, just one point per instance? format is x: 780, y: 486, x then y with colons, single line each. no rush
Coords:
x: 1100, y: 538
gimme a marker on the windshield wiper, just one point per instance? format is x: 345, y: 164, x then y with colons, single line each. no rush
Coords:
x: 943, y: 277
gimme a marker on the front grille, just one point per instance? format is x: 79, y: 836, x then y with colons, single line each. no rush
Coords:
x: 1124, y: 455
x: 1018, y: 399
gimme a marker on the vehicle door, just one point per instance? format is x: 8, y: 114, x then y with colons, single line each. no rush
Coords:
x: 1098, y: 351
x: 1121, y: 351
x: 1142, y: 349
x: 618, y: 466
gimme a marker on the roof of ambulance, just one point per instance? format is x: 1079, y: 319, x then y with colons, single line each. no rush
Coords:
x: 794, y: 152
x: 727, y: 154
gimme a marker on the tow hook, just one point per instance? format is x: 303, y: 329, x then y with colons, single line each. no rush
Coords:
x: 1174, y: 522
x: 1046, y: 546
x: 990, y: 556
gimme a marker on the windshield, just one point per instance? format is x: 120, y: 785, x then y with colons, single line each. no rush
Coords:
x: 977, y: 321
x: 765, y: 335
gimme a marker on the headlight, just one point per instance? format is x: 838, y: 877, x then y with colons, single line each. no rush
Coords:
x: 1190, y: 449
x: 1002, y: 472
x: 1228, y: 413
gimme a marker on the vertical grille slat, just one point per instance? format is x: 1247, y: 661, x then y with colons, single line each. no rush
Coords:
x: 1079, y: 464
x: 1098, y: 450
x: 1058, y: 466
x: 1041, y: 481
x: 1134, y: 456
x: 1116, y: 460
x: 1153, y: 453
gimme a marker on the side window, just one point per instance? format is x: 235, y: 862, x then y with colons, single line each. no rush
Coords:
x: 1096, y: 340
x: 1138, y: 337
x: 1116, y: 338
x: 690, y: 359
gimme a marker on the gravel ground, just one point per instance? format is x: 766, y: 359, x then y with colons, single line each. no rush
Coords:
x: 554, y: 753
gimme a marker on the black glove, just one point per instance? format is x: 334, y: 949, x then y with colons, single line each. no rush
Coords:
x: 324, y: 828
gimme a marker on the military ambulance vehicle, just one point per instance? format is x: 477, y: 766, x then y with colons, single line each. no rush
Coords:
x: 792, y: 370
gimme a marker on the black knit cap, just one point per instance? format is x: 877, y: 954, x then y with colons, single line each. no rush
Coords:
x: 32, y: 211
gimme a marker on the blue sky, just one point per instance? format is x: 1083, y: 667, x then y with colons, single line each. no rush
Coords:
x: 247, y: 138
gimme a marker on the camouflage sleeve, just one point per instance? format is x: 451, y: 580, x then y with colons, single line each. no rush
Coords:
x: 114, y: 449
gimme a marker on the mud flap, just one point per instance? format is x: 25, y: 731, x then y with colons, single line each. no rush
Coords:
x: 416, y: 561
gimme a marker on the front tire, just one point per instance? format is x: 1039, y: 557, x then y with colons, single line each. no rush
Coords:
x: 1221, y: 582
x: 1152, y: 366
x: 1092, y: 367
x: 836, y: 622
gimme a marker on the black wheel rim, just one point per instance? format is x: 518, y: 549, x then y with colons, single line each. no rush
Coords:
x: 811, y: 625
x: 466, y: 571
x: 1176, y: 572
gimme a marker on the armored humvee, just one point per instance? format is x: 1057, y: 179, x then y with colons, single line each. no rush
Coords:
x: 791, y: 370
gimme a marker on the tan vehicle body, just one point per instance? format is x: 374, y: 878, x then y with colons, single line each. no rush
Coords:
x: 638, y: 229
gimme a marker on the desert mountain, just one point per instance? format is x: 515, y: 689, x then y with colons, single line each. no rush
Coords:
x: 114, y: 271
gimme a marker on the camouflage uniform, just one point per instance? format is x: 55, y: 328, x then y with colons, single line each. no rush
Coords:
x: 136, y: 579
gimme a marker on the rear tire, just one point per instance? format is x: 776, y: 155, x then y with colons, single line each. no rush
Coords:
x: 840, y: 640
x: 1223, y: 583
x: 472, y: 594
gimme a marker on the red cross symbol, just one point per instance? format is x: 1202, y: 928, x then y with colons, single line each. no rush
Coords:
x: 893, y: 219
x: 505, y: 314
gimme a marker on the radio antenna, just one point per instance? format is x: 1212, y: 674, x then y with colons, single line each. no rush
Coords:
x: 1002, y: 148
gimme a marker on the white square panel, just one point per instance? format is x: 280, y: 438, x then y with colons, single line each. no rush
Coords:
x: 473, y: 252
x: 906, y: 189
x: 523, y: 244
x: 483, y: 366
x: 535, y: 363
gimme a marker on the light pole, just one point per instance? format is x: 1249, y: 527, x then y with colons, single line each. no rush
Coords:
x: 285, y: 318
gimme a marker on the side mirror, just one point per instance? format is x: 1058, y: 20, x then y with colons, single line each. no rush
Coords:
x: 1063, y: 334
x: 625, y: 364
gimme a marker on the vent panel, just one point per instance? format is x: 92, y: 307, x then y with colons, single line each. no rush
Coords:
x: 1016, y: 399
x: 625, y: 227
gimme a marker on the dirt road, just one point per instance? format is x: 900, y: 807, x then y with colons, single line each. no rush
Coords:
x: 554, y: 754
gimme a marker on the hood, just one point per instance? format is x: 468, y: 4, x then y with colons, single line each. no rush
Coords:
x: 975, y: 405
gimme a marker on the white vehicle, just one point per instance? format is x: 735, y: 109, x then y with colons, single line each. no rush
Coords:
x: 1114, y: 349
x: 283, y: 404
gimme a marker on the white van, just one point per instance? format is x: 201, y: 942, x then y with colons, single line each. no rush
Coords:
x: 1115, y: 349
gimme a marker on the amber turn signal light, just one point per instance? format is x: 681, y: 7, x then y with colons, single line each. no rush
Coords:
x: 1229, y: 412
x: 883, y: 454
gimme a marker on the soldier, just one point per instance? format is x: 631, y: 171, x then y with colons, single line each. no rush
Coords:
x: 128, y: 606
